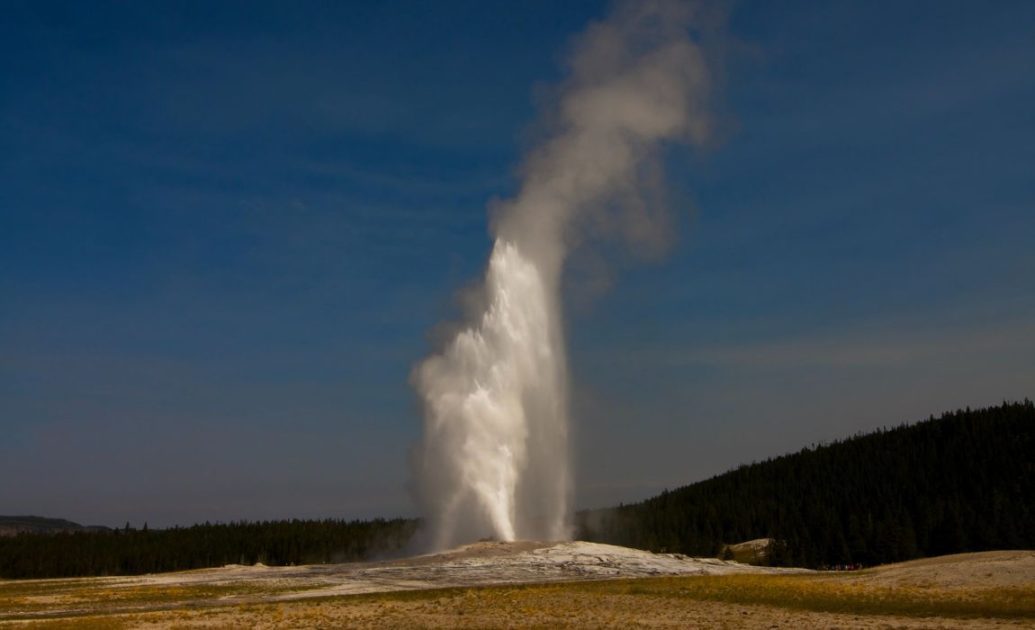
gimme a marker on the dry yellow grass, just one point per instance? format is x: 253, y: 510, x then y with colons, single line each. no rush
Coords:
x: 957, y: 592
x: 733, y: 600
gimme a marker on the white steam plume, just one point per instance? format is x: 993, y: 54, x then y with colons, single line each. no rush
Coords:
x: 494, y: 460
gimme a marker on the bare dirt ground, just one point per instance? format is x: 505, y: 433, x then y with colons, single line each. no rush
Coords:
x: 542, y: 585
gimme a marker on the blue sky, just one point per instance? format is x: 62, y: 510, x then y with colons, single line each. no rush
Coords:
x: 228, y: 231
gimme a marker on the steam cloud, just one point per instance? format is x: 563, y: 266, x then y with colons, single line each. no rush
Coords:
x: 494, y: 460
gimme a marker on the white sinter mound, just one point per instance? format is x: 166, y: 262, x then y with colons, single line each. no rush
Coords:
x: 477, y: 564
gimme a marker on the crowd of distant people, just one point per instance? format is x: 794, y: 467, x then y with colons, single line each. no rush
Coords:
x: 841, y: 567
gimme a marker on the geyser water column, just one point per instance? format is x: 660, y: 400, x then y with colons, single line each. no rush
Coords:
x: 495, y: 387
x: 494, y: 459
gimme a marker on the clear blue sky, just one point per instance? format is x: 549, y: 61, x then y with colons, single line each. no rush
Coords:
x: 228, y: 229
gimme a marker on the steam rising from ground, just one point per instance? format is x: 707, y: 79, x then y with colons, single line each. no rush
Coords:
x: 494, y: 461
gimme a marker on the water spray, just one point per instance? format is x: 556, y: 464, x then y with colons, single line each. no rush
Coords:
x: 494, y: 460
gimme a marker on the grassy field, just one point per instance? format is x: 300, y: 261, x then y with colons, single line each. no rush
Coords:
x: 715, y: 601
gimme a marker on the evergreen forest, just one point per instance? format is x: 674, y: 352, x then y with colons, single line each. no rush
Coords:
x: 961, y: 482
x: 128, y: 551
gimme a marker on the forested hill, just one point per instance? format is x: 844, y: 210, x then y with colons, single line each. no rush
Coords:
x: 961, y: 482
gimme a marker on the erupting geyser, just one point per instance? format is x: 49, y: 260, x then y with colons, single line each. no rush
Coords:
x: 494, y: 460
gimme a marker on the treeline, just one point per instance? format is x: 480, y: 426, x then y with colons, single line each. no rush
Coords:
x: 961, y: 482
x: 131, y: 551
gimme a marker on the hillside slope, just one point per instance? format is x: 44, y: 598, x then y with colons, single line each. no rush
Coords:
x: 14, y: 525
x: 961, y: 482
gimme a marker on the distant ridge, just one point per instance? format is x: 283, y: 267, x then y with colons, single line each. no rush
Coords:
x: 14, y: 525
x: 962, y: 482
